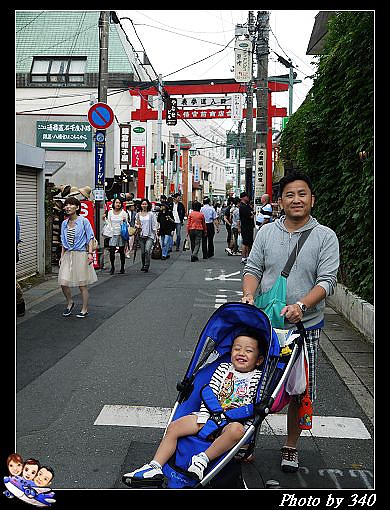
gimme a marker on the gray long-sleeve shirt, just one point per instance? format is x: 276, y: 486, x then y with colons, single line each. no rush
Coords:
x: 317, y: 263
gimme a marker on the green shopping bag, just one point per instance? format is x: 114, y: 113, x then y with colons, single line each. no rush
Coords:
x: 272, y: 302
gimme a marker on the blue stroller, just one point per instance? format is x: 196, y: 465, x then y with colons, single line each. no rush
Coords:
x: 214, y: 347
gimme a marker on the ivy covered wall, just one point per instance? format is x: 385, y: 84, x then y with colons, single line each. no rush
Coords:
x: 331, y: 138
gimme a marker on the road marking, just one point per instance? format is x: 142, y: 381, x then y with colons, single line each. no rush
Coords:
x: 275, y: 424
x: 223, y: 276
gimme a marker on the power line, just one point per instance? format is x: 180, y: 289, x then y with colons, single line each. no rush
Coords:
x: 29, y: 23
x: 182, y: 29
x: 54, y: 45
x: 176, y: 33
x: 198, y: 61
x: 68, y: 104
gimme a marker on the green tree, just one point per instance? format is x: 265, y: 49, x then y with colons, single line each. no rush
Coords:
x: 326, y: 138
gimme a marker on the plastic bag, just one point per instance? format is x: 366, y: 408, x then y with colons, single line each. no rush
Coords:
x: 124, y: 231
x: 107, y: 230
x: 272, y: 302
x: 296, y: 380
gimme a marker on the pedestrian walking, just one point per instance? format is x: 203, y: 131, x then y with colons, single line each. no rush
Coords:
x: 116, y: 217
x: 311, y: 279
x: 264, y: 215
x: 179, y: 213
x: 166, y: 224
x: 212, y: 223
x: 20, y: 303
x: 246, y: 226
x: 131, y: 215
x: 147, y: 223
x: 228, y: 224
x: 196, y: 229
x: 235, y: 221
x: 76, y: 262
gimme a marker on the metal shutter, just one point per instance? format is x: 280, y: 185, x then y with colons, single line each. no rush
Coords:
x: 27, y: 210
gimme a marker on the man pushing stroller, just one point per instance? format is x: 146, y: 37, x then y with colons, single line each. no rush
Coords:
x: 234, y: 384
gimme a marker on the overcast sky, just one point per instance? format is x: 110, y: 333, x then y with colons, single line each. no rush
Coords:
x: 174, y: 39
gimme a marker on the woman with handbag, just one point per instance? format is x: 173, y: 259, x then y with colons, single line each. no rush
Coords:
x: 166, y: 224
x: 146, y: 221
x: 116, y: 217
x: 131, y: 215
x: 76, y: 262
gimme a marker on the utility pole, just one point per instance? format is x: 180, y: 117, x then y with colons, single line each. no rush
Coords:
x: 104, y: 26
x: 238, y: 153
x: 262, y: 28
x: 249, y: 119
x: 157, y: 183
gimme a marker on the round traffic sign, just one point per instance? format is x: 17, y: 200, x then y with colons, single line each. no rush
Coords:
x: 100, y: 116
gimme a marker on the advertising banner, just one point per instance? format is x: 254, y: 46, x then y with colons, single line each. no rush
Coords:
x: 243, y: 60
x: 138, y: 144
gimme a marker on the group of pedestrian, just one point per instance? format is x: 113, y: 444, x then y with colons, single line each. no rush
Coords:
x: 311, y: 279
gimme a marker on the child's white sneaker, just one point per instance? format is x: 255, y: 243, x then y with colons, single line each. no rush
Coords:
x: 198, y: 465
x: 146, y: 471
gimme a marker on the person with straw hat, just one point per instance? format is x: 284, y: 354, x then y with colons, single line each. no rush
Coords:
x: 76, y: 263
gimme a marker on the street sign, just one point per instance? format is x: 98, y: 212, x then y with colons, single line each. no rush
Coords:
x: 100, y: 116
x: 64, y: 136
x: 194, y: 101
x: 237, y: 107
x: 243, y: 60
x: 100, y: 152
x: 171, y: 111
x: 260, y: 174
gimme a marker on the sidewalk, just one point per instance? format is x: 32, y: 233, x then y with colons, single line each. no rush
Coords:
x: 348, y: 351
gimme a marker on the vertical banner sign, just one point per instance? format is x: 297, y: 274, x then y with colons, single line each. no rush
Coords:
x: 100, y: 148
x: 171, y: 111
x: 237, y: 106
x: 88, y: 211
x: 125, y: 144
x: 243, y: 60
x: 196, y: 172
x: 138, y: 144
x: 260, y: 174
x: 170, y: 170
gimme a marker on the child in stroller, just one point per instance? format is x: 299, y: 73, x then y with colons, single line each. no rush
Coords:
x: 193, y: 446
x: 235, y: 384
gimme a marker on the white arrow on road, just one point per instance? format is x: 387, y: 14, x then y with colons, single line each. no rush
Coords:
x: 225, y: 277
x: 75, y: 145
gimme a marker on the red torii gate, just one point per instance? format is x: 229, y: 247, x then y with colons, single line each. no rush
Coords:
x: 217, y: 86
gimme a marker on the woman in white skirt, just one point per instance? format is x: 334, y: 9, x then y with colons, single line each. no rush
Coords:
x: 76, y: 263
x: 146, y: 221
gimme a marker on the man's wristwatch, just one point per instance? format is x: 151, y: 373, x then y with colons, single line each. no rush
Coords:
x: 302, y: 306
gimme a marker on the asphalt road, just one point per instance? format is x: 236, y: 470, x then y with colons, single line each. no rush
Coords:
x: 130, y: 351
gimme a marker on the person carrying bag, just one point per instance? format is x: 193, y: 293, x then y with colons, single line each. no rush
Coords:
x: 273, y: 300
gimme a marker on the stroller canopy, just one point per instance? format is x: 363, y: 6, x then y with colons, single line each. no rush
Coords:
x: 227, y: 322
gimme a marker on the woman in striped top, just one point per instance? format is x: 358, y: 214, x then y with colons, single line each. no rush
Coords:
x: 235, y: 385
x: 76, y: 262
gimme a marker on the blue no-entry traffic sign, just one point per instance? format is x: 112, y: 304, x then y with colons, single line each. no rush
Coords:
x: 100, y: 116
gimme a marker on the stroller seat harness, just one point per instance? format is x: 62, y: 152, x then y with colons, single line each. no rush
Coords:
x: 218, y: 417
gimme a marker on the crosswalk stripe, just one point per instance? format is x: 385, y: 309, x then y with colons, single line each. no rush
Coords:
x: 275, y: 424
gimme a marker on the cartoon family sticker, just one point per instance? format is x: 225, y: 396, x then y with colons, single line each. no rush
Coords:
x: 29, y: 481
